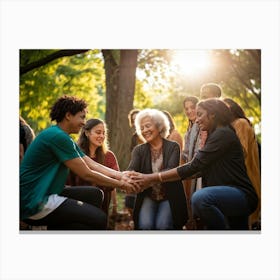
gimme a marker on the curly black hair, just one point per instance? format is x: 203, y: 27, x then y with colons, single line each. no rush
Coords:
x: 66, y: 104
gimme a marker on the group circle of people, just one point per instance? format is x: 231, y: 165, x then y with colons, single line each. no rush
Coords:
x: 209, y: 181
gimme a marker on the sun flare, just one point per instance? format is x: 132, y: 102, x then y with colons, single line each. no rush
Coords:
x: 191, y: 62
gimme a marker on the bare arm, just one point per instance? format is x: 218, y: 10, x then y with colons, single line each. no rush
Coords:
x: 99, y: 175
x: 93, y: 165
x: 146, y: 180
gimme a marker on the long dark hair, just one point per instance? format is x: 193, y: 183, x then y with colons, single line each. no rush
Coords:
x: 236, y: 111
x: 221, y: 112
x: 83, y: 141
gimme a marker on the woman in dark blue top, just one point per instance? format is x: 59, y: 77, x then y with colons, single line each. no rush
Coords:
x: 227, y: 197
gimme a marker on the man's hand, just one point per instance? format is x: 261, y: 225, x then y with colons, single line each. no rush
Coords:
x: 143, y: 180
x: 129, y: 185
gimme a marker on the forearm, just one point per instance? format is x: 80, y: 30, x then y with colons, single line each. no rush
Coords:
x: 95, y: 166
x: 168, y: 175
x: 97, y: 178
x: 158, y: 177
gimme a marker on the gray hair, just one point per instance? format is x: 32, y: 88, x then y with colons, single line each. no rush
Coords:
x: 158, y: 118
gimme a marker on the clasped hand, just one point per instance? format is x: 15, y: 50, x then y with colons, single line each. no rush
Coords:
x: 136, y: 182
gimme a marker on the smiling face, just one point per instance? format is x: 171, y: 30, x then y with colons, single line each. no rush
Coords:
x: 149, y: 130
x: 190, y: 110
x: 76, y: 122
x: 204, y: 120
x: 96, y: 135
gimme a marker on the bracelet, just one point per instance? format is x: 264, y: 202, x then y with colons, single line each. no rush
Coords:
x: 159, y: 177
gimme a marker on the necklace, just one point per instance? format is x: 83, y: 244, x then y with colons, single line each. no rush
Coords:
x: 156, y: 153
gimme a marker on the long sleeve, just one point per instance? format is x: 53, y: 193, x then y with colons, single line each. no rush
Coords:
x: 171, y: 155
x: 216, y: 146
x: 136, y: 159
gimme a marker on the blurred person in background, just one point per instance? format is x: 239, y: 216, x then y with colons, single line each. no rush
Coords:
x: 247, y: 137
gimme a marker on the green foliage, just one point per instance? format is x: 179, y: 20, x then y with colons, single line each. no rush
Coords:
x: 81, y: 75
x: 141, y: 98
x: 157, y: 85
x: 237, y: 71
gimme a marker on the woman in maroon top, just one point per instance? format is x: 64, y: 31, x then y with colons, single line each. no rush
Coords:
x: 92, y: 142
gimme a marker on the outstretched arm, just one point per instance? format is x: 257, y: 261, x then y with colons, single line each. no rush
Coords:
x: 146, y: 180
x: 99, y: 174
x: 93, y: 165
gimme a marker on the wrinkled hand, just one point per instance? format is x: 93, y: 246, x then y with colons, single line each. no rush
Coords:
x: 129, y: 185
x: 141, y: 179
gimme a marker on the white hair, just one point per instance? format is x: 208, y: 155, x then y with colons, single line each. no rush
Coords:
x: 158, y: 118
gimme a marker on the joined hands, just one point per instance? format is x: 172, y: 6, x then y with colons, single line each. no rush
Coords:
x: 135, y: 182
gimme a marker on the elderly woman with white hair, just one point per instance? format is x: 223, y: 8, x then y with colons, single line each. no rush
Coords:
x: 161, y: 206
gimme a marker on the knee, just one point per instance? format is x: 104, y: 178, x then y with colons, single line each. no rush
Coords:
x: 164, y: 225
x: 98, y: 196
x: 201, y: 201
x: 197, y: 199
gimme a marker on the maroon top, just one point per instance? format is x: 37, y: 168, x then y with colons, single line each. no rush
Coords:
x: 109, y: 161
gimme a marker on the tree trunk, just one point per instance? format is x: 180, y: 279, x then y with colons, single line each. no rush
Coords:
x: 120, y: 69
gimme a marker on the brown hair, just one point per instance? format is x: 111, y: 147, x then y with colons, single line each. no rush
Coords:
x: 83, y: 141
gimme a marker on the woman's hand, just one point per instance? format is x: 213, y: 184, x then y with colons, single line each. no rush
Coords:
x: 143, y: 180
x: 129, y: 185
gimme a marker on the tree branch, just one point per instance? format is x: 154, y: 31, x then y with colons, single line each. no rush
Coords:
x: 49, y: 58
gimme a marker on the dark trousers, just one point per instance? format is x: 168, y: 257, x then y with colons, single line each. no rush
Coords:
x: 80, y: 211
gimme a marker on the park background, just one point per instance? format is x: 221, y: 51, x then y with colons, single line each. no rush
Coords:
x: 156, y: 24
x: 115, y: 81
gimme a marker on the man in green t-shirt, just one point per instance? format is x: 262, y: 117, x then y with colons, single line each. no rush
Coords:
x: 43, y: 171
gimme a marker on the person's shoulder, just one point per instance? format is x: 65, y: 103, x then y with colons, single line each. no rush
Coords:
x: 51, y: 129
x: 170, y: 143
x: 141, y: 147
x: 54, y: 133
x: 110, y: 153
x: 240, y: 122
x: 110, y: 158
x: 225, y: 131
x: 176, y: 134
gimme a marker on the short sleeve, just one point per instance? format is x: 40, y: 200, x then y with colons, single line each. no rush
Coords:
x: 65, y: 148
x: 111, y: 161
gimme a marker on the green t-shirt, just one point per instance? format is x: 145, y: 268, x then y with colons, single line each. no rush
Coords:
x: 42, y: 170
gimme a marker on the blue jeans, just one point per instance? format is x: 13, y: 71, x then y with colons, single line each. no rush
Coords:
x: 155, y: 215
x: 221, y: 207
